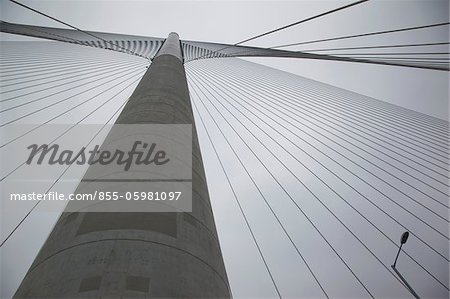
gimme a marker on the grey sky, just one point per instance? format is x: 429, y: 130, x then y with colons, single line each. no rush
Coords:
x: 232, y: 21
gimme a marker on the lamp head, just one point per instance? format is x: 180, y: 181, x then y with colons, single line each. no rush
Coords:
x: 404, y: 238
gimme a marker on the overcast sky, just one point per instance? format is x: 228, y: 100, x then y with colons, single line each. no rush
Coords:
x: 231, y: 21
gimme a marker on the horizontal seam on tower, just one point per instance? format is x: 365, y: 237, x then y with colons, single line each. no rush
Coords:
x: 129, y: 239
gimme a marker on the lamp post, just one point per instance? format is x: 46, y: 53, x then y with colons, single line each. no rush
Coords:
x: 403, y: 240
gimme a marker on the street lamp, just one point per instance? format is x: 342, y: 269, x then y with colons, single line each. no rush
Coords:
x: 403, y: 240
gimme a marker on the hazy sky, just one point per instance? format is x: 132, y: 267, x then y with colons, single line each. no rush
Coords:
x: 230, y: 22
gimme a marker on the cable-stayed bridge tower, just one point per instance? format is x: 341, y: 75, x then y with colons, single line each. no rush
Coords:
x: 134, y: 254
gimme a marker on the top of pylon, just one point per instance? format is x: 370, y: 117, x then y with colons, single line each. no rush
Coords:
x: 171, y: 46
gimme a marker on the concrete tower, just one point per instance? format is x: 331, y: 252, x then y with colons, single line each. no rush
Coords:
x: 134, y: 254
